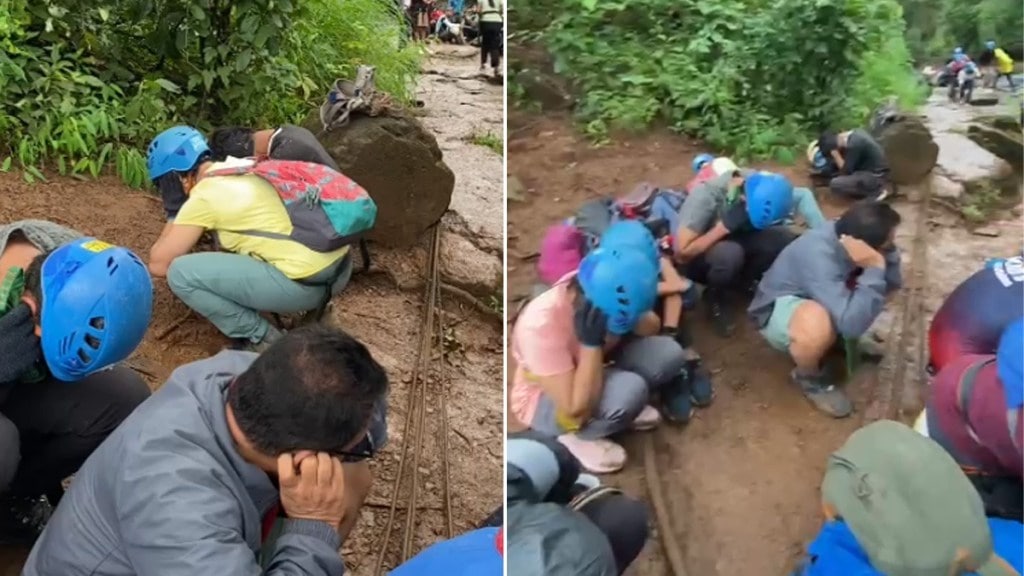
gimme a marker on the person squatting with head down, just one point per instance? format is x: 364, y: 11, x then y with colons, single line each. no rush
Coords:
x: 238, y: 464
x: 973, y: 408
x: 730, y: 229
x: 71, y: 309
x: 266, y: 265
x: 563, y: 339
x: 831, y: 282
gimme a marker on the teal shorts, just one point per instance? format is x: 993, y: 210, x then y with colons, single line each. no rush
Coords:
x: 776, y: 331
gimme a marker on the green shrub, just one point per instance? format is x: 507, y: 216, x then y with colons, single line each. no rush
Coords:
x: 88, y: 86
x: 751, y: 76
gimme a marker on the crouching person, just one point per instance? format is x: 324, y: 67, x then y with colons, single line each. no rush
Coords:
x: 239, y: 464
x: 264, y: 269
x: 71, y: 308
x: 562, y: 341
x: 285, y: 143
x: 974, y: 412
x: 729, y: 233
x: 831, y: 282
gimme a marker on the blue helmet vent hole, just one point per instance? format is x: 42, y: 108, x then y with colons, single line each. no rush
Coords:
x: 83, y: 356
x: 97, y: 322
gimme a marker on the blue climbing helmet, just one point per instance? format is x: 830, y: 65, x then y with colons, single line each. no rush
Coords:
x: 991, y: 44
x: 97, y: 302
x: 700, y: 160
x: 176, y: 149
x: 621, y: 282
x: 769, y: 198
x: 631, y: 234
x: 1010, y: 363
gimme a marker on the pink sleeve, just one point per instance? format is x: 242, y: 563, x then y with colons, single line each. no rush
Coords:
x: 543, y: 344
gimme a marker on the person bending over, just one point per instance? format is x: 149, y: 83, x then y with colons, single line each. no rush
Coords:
x: 974, y: 412
x: 561, y: 522
x: 729, y: 233
x: 676, y: 295
x: 562, y: 340
x: 239, y: 464
x: 259, y: 272
x: 285, y: 143
x: 974, y: 315
x: 830, y: 282
x: 863, y: 168
x: 70, y: 309
x: 707, y: 167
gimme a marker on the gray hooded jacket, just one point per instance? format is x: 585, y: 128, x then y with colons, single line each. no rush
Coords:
x: 43, y: 235
x: 167, y: 494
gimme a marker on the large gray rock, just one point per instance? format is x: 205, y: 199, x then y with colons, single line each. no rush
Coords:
x: 908, y: 144
x: 1000, y: 135
x: 400, y: 164
x: 466, y: 266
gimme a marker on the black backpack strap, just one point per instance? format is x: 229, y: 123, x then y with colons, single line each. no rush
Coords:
x: 364, y: 252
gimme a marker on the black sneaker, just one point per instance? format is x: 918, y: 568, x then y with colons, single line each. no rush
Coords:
x: 676, y: 404
x: 825, y: 396
x: 22, y: 519
x: 702, y: 393
x: 719, y: 314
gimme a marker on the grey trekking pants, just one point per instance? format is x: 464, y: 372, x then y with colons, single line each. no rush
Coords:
x: 857, y: 186
x: 639, y: 368
x: 230, y: 290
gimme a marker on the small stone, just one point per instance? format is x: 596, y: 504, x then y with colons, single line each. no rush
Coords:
x: 988, y: 231
x: 516, y: 190
x: 424, y: 471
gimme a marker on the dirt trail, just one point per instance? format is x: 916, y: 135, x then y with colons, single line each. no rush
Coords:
x: 741, y: 482
x: 374, y: 309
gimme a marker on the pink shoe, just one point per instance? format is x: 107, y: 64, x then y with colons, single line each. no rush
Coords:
x: 599, y: 456
x: 648, y: 419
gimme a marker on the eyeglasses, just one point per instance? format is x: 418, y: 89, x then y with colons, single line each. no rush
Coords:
x: 364, y: 450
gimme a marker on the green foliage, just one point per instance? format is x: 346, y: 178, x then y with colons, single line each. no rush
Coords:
x: 935, y: 27
x: 750, y: 76
x: 88, y: 85
x: 489, y: 140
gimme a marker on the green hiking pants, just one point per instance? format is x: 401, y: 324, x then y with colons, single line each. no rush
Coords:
x: 230, y: 290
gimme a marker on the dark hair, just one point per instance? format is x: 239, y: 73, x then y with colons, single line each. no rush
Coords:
x: 314, y: 389
x: 870, y: 221
x: 827, y: 142
x: 34, y: 278
x: 232, y: 141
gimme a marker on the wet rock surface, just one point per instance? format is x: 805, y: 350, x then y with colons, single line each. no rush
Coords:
x: 960, y: 158
x: 463, y: 108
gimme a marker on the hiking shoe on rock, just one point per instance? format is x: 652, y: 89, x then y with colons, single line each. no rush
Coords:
x: 676, y: 404
x: 701, y: 391
x: 22, y: 519
x: 719, y: 315
x: 648, y: 419
x: 824, y: 396
x: 600, y: 456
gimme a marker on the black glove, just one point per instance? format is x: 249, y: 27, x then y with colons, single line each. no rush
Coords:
x: 736, y: 217
x: 19, y: 345
x: 591, y: 324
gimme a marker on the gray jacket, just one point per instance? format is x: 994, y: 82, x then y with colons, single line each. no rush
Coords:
x: 43, y: 235
x: 816, y: 266
x: 547, y: 538
x: 167, y: 494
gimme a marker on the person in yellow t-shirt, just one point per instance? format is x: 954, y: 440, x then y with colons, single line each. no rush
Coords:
x: 256, y: 274
x: 1004, y: 64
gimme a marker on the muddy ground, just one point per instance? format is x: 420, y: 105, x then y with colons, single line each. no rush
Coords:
x: 741, y: 481
x: 372, y: 308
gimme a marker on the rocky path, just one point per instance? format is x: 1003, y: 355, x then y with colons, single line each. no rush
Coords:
x: 465, y: 110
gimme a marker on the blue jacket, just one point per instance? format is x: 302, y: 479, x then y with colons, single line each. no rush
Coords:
x: 835, y: 552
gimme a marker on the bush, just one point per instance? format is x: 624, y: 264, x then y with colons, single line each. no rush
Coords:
x: 88, y: 86
x: 751, y: 76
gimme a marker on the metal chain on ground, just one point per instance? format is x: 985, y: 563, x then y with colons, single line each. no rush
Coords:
x: 414, y: 423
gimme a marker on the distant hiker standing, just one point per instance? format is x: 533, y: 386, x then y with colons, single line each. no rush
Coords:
x: 419, y: 13
x: 492, y: 43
